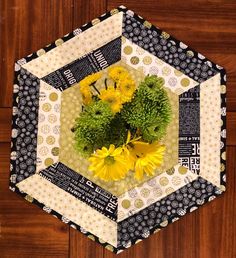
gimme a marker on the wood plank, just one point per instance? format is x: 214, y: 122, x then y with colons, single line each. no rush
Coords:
x: 85, y: 11
x: 5, y: 124
x: 25, y: 27
x: 231, y: 128
x: 82, y: 246
x: 203, y: 25
x: 26, y: 230
x: 217, y: 222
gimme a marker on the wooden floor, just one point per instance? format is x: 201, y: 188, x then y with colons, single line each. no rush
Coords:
x: 209, y: 26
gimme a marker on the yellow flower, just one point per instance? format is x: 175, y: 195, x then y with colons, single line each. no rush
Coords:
x: 116, y: 71
x: 127, y: 87
x: 87, y: 98
x: 109, y: 164
x: 84, y: 86
x: 90, y: 79
x: 148, y: 157
x: 86, y: 94
x: 112, y: 97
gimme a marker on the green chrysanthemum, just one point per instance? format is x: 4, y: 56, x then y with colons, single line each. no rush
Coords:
x: 149, y: 110
x: 117, y: 132
x: 148, y: 114
x: 92, y: 126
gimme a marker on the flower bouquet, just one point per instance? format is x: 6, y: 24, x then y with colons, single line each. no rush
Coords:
x: 121, y: 125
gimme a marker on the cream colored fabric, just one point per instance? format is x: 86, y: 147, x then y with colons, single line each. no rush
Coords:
x: 70, y: 207
x: 48, y: 126
x: 141, y: 59
x: 210, y: 127
x: 83, y: 43
x: 153, y: 190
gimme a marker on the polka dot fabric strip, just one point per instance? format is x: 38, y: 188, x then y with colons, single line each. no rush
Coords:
x: 142, y: 60
x: 153, y: 190
x: 48, y: 126
x: 78, y: 46
x: 25, y: 121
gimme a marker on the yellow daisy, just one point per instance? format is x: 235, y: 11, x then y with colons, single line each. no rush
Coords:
x: 127, y: 87
x: 109, y: 164
x: 112, y: 97
x: 148, y: 157
x: 116, y: 71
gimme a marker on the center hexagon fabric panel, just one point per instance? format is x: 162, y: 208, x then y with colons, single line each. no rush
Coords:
x: 47, y: 170
x: 72, y: 100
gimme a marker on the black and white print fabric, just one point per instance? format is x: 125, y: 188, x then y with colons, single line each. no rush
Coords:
x: 25, y: 133
x: 166, y: 48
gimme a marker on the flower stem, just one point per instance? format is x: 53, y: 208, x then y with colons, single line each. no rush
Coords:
x: 93, y: 85
x: 106, y: 83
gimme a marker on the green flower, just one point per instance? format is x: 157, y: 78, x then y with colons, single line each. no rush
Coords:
x: 83, y: 147
x: 150, y: 109
x: 117, y: 132
x: 154, y: 132
x: 92, y: 126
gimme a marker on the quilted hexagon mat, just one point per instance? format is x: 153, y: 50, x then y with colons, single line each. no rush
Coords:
x: 48, y: 170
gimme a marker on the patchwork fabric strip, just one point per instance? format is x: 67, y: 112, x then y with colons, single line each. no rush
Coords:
x: 47, y: 169
x: 91, y: 63
x: 48, y: 126
x: 25, y: 131
x: 70, y: 207
x: 82, y: 188
x: 189, y: 129
x: 79, y: 45
x: 153, y: 190
x: 141, y: 59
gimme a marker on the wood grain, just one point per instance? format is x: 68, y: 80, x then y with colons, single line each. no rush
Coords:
x: 207, y: 26
x: 231, y: 128
x: 5, y: 124
x: 81, y: 246
x: 25, y: 230
x: 85, y: 11
x: 173, y: 241
x: 25, y: 27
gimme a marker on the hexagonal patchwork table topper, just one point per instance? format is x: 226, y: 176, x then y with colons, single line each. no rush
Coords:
x: 47, y: 170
